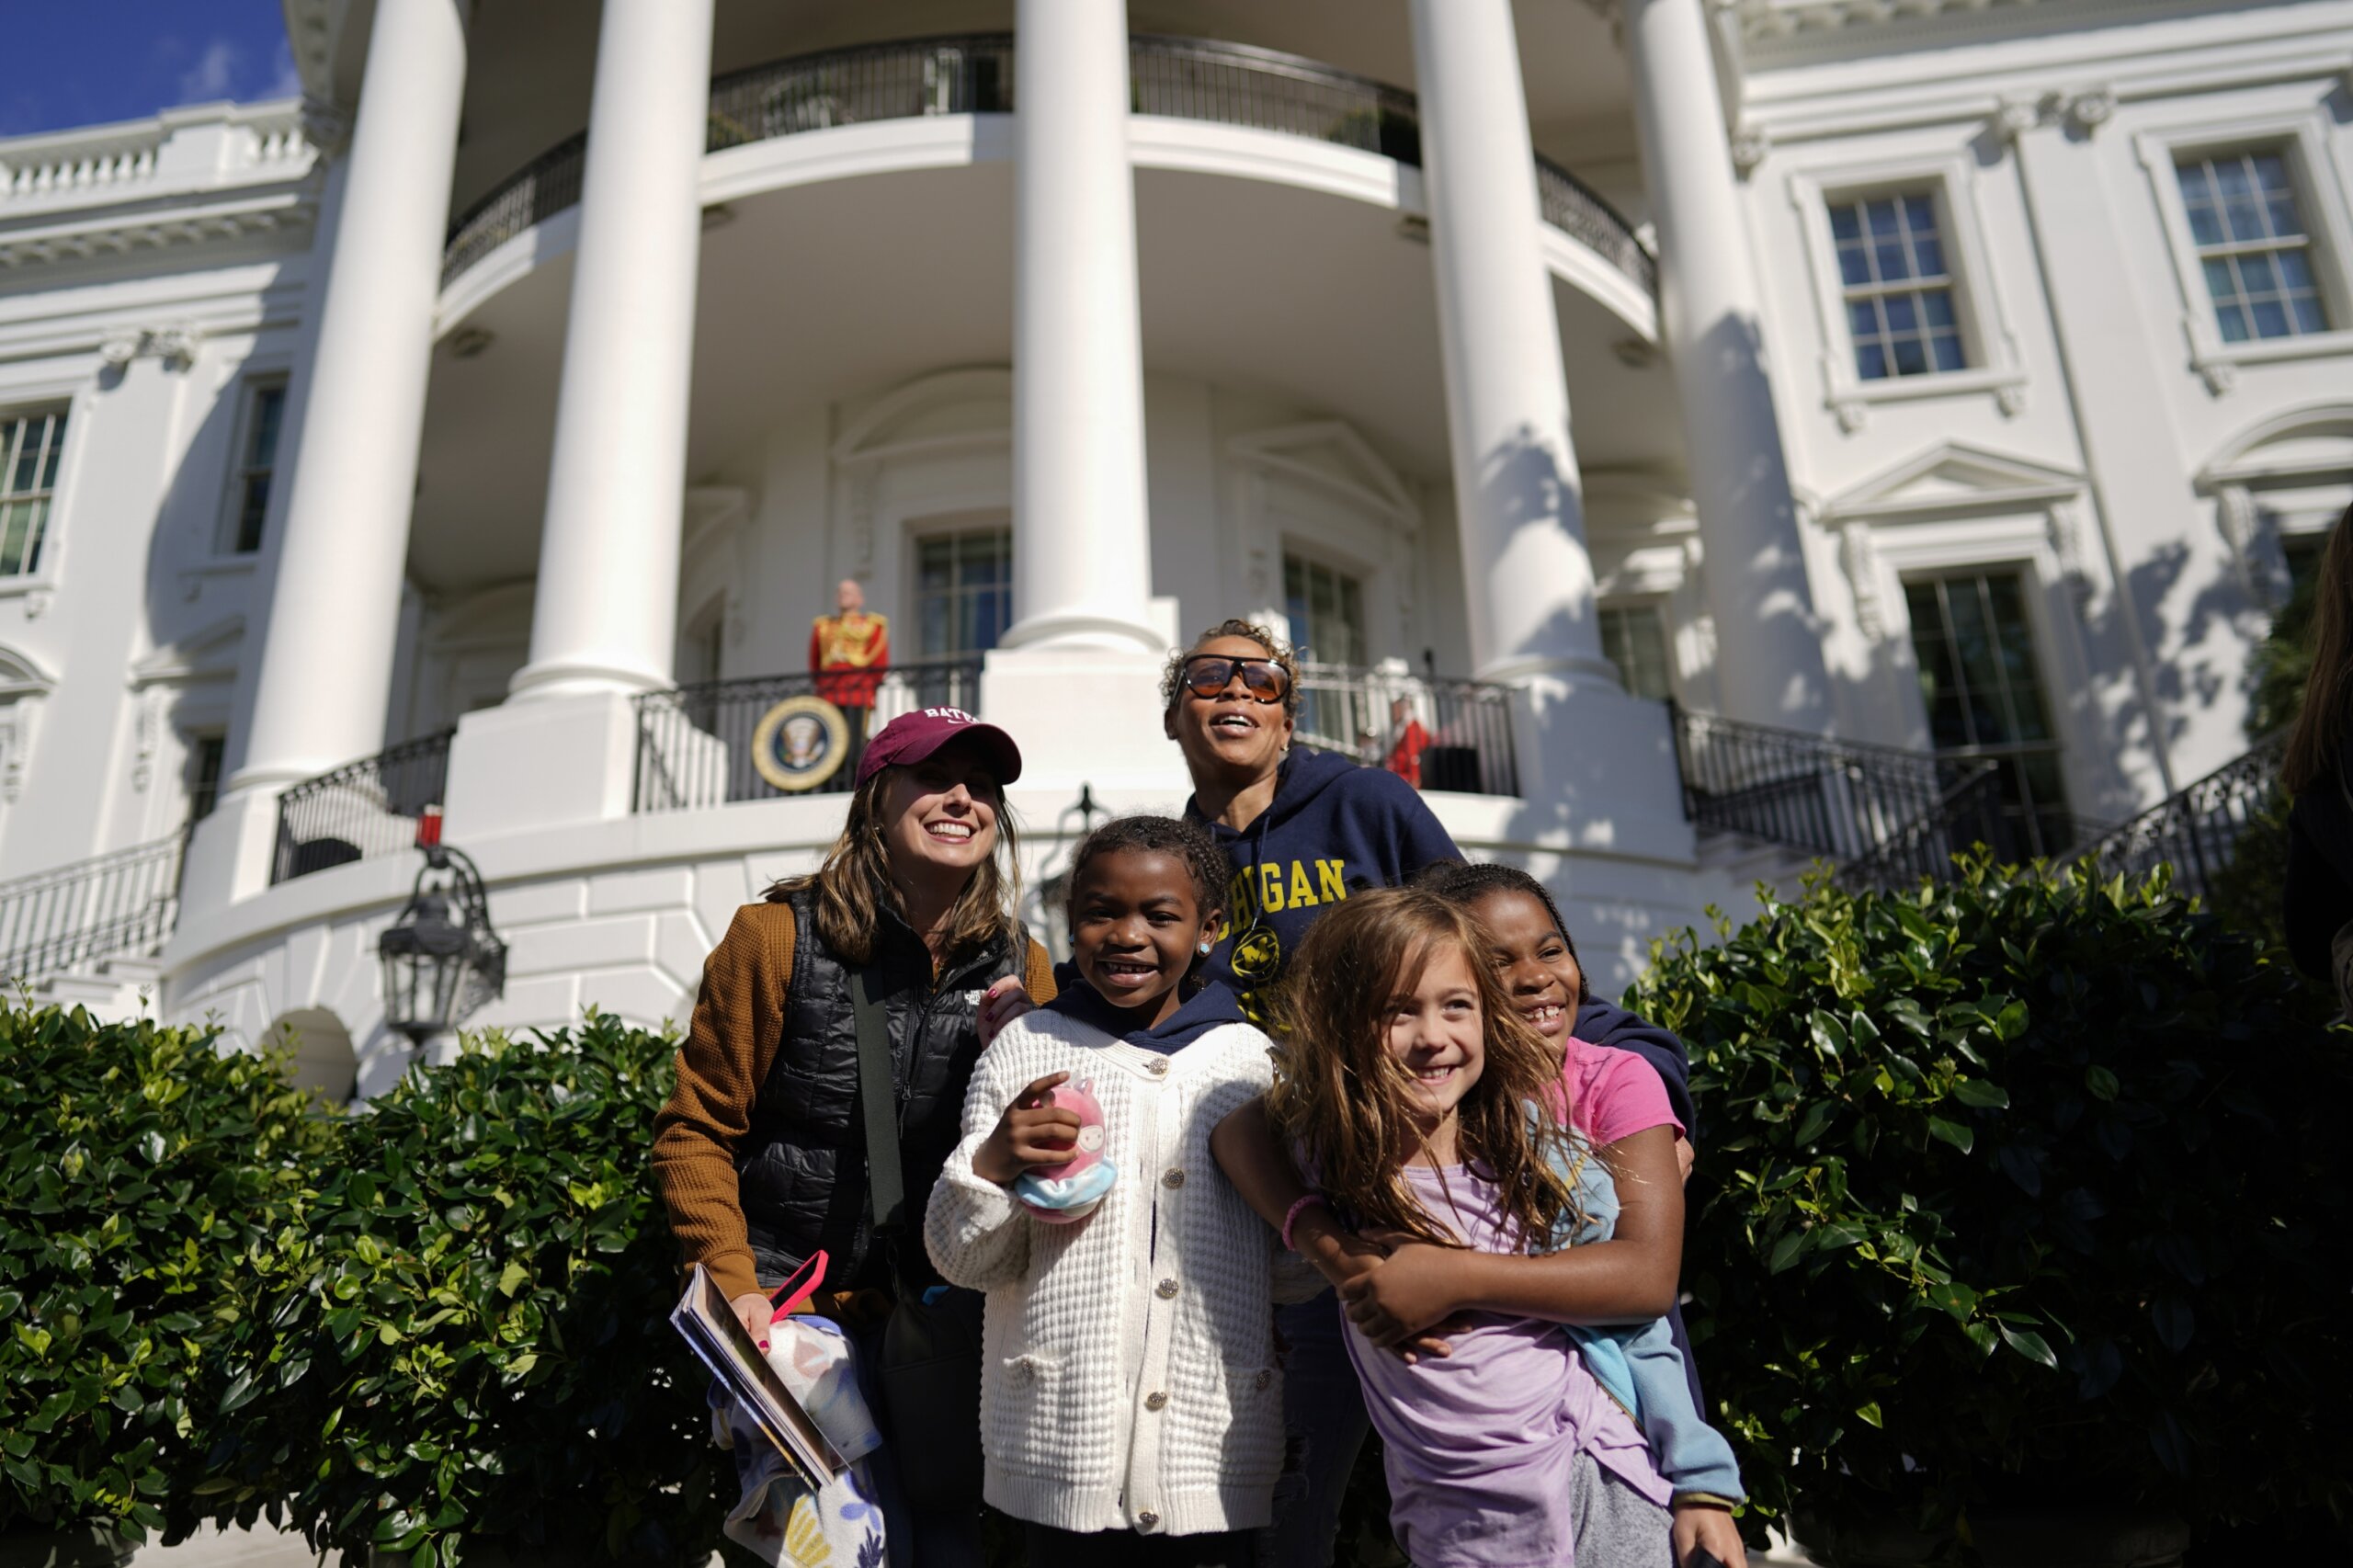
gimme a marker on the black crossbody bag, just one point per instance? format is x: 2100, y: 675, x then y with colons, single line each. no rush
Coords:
x: 931, y: 1351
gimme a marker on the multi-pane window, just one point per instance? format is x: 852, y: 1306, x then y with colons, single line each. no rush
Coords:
x: 2251, y: 244
x: 1326, y: 611
x: 963, y: 592
x: 1634, y: 639
x: 204, y: 775
x: 1896, y: 286
x: 2303, y: 552
x: 1984, y: 695
x: 257, y: 462
x: 30, y: 445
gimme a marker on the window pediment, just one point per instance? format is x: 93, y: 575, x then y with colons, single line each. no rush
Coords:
x: 1953, y: 480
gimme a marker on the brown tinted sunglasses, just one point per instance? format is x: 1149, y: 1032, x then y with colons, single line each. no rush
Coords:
x: 1208, y: 674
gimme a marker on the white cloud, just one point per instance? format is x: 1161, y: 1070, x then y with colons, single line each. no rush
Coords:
x: 285, y: 81
x: 212, y: 76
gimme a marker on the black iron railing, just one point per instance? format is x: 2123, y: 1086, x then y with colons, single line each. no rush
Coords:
x: 1580, y: 211
x: 1436, y: 734
x: 361, y: 810
x: 1837, y: 799
x: 971, y: 74
x: 121, y: 902
x: 703, y: 745
x: 1230, y: 83
x: 546, y: 186
x: 1225, y: 83
x: 1972, y: 812
x: 2197, y: 829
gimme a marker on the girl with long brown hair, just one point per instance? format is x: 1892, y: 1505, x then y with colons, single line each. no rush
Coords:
x: 1420, y: 1100
x: 2317, y: 772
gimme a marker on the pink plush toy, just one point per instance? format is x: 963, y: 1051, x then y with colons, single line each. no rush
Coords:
x: 1064, y: 1194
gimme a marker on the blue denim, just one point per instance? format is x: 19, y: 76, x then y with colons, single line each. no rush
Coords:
x: 1324, y: 1419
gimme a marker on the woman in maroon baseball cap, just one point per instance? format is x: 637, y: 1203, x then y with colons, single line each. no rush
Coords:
x: 762, y: 1150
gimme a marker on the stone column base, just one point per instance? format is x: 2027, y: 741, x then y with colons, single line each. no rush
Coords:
x: 540, y: 763
x: 1082, y: 716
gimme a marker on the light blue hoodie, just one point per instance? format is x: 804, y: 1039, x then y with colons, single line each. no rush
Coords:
x: 1639, y: 1364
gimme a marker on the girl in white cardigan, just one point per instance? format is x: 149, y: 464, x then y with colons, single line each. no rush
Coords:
x: 1130, y: 1408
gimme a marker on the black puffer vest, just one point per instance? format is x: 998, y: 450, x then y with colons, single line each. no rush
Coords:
x: 801, y: 1163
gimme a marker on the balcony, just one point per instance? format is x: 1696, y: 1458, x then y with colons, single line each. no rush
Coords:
x: 362, y: 810
x: 1172, y: 78
x: 704, y: 746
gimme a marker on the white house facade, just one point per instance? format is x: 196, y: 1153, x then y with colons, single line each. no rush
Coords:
x: 1732, y: 432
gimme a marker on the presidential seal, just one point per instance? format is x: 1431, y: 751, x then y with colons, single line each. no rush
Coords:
x: 800, y: 743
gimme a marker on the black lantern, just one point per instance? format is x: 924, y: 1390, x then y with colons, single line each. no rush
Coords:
x: 441, y: 959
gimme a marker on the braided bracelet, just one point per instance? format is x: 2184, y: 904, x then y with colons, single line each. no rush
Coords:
x: 1291, y: 1217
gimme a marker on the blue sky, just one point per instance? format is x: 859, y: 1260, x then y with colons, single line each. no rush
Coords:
x: 70, y: 63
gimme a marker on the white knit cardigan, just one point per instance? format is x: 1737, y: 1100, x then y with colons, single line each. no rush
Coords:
x: 1127, y: 1366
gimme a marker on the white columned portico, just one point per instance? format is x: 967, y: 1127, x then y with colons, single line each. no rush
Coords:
x: 1769, y: 640
x: 604, y: 615
x: 1595, y: 765
x: 1083, y: 639
x: 323, y: 677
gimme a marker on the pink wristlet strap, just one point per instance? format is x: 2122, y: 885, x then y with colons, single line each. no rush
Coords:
x: 1291, y: 1217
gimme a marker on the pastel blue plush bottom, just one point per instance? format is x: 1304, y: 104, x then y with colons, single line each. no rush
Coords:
x: 1066, y: 1197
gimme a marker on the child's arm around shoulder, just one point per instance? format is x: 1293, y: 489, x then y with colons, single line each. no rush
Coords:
x: 973, y: 1230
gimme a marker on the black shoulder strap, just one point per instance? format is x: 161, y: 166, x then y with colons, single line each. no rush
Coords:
x: 886, y: 1179
x: 886, y: 1183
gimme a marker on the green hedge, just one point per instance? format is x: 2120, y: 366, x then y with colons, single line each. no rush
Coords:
x: 141, y: 1174
x: 465, y: 1333
x: 2016, y: 1189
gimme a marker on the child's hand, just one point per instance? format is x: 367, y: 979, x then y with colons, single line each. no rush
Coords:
x: 1710, y: 1527
x: 1032, y: 1131
x: 1685, y: 1155
x: 1413, y: 1291
x: 1000, y: 1004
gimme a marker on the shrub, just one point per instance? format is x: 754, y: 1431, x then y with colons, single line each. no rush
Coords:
x: 142, y: 1170
x: 2015, y: 1188
x: 466, y: 1335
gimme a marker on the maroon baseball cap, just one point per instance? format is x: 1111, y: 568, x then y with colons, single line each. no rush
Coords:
x: 909, y: 738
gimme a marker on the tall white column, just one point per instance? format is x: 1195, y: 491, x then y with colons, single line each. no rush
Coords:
x: 1518, y: 510
x: 324, y: 673
x: 1768, y: 642
x: 1595, y: 773
x: 1082, y: 547
x: 605, y: 616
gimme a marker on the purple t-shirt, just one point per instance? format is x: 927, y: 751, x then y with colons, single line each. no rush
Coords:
x: 1480, y: 1442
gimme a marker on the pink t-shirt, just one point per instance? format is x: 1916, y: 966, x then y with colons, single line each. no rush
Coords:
x: 1611, y: 1093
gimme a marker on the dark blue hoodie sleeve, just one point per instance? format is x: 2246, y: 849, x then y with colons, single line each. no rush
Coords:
x: 1601, y: 1023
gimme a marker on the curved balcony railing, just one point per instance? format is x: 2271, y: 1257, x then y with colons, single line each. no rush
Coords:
x: 702, y: 745
x: 1225, y: 83
x: 361, y: 810
x: 1435, y: 734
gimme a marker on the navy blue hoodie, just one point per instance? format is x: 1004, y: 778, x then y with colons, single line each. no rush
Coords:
x: 1203, y: 1011
x: 1333, y: 828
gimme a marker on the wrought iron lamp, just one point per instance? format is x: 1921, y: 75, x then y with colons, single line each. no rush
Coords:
x: 441, y: 959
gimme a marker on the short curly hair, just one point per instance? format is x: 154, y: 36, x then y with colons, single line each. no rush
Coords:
x: 1172, y: 678
x: 1189, y: 845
